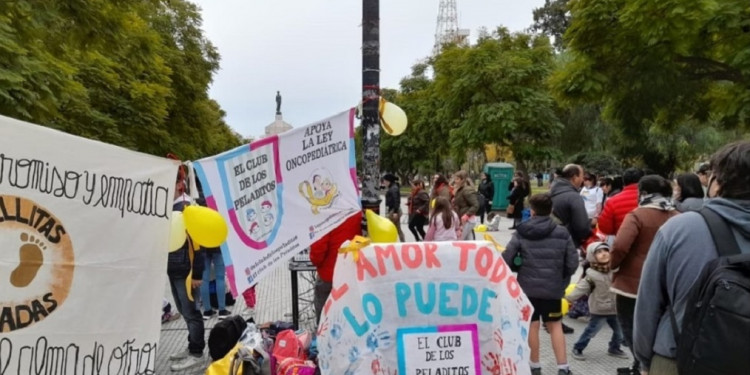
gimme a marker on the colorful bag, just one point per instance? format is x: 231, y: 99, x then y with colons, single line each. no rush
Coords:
x: 295, y: 366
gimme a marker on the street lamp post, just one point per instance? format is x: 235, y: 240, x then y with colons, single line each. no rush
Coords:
x: 370, y: 101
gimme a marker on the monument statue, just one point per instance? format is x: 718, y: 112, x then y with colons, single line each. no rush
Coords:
x: 278, y: 102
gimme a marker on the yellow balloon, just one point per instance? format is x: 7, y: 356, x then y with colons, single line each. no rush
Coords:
x: 480, y: 228
x: 380, y: 229
x: 177, y: 234
x: 392, y: 118
x: 205, y: 226
x: 569, y: 289
x: 565, y: 304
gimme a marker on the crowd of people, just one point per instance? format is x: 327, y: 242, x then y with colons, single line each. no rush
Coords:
x: 642, y: 240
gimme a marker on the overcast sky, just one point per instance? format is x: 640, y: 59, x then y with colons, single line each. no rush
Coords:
x: 310, y: 51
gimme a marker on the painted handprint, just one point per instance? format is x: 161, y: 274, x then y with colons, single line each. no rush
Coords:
x: 378, y: 339
x: 337, y: 327
x: 354, y: 359
x: 499, y: 339
x: 497, y: 365
x: 322, y: 327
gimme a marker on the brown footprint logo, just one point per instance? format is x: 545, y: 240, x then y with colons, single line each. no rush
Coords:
x: 31, y: 257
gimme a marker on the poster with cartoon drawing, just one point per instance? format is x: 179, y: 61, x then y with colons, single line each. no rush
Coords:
x: 83, y: 225
x: 280, y: 193
x: 394, y: 311
x: 319, y: 190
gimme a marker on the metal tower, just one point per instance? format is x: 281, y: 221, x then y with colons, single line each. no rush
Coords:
x: 447, y: 30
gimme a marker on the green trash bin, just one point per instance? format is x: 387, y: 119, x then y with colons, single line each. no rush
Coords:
x: 501, y: 175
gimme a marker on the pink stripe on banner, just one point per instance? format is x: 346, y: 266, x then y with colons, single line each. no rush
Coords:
x: 232, y: 283
x: 474, y: 338
x: 274, y: 141
x: 241, y: 233
x: 211, y: 202
x: 352, y: 112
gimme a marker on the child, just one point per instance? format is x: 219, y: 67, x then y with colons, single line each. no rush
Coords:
x: 596, y: 285
x: 493, y: 222
x: 548, y: 259
x: 444, y: 222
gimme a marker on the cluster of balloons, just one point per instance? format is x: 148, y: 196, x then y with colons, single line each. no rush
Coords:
x: 205, y: 226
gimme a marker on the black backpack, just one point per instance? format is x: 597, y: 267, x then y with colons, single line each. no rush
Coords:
x: 225, y: 335
x: 715, y: 337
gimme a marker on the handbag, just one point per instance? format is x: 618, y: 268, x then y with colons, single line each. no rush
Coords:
x: 510, y: 210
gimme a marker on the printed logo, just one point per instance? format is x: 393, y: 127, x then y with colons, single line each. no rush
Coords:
x: 37, y: 261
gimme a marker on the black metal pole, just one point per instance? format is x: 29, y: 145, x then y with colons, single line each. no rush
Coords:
x: 370, y: 100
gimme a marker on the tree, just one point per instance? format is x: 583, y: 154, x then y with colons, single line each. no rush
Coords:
x: 552, y: 19
x: 658, y: 67
x: 495, y: 92
x: 421, y: 148
x: 135, y: 74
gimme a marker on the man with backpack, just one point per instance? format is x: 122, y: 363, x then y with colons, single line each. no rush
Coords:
x: 692, y: 311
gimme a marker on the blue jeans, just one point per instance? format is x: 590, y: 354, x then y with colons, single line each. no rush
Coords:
x: 193, y: 318
x: 595, y: 324
x: 221, y: 289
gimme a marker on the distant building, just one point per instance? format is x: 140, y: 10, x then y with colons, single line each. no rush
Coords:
x: 278, y: 126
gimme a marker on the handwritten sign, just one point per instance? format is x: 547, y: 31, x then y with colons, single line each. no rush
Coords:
x: 281, y: 193
x: 443, y: 350
x: 388, y: 310
x: 83, y: 232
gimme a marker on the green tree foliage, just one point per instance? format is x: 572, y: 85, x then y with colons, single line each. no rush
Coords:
x: 552, y: 19
x: 662, y: 71
x: 135, y: 74
x: 424, y: 144
x: 495, y: 92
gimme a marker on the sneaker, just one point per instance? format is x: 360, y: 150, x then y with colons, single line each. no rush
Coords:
x: 627, y: 371
x: 567, y: 330
x: 179, y: 355
x: 578, y: 354
x: 617, y: 353
x: 564, y: 372
x: 190, y: 362
x: 536, y: 371
x: 223, y: 314
x: 208, y: 314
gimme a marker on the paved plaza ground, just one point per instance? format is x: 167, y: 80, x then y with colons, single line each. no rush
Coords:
x: 274, y: 302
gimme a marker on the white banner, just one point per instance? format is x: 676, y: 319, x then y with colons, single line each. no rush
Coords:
x: 281, y: 193
x: 83, y: 249
x: 443, y: 308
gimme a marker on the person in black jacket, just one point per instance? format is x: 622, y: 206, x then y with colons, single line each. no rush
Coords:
x: 567, y: 205
x: 393, y: 202
x: 548, y: 259
x: 487, y: 191
x: 179, y: 265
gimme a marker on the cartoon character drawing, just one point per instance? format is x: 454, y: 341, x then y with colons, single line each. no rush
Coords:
x: 320, y: 193
x: 265, y: 207
x: 268, y: 219
x: 255, y: 230
x: 251, y: 215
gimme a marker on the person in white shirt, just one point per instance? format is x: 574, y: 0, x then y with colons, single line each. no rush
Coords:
x: 593, y: 197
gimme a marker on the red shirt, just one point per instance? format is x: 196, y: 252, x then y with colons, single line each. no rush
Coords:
x: 616, y: 208
x: 323, y: 252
